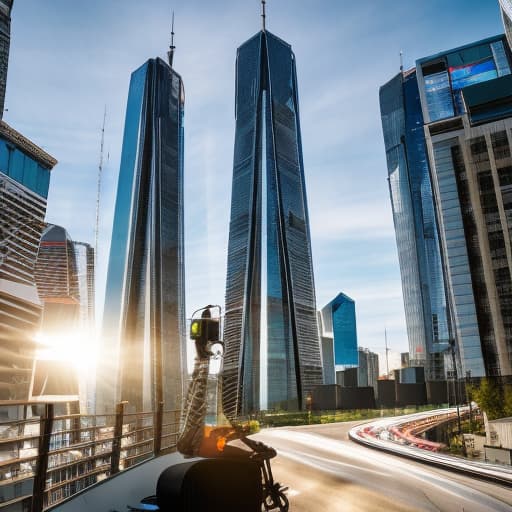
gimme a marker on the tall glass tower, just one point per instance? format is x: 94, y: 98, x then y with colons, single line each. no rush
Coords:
x: 416, y: 229
x: 144, y: 318
x: 272, y: 346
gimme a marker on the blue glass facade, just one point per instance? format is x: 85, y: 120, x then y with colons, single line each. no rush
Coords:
x: 415, y: 222
x: 270, y: 297
x: 144, y: 317
x: 24, y: 169
x: 339, y: 320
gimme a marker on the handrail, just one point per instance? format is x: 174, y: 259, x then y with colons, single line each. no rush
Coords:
x: 73, y: 451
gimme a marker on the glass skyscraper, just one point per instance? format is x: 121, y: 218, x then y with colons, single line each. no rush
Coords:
x: 447, y: 135
x: 144, y: 317
x: 416, y: 229
x: 272, y: 347
x: 339, y: 322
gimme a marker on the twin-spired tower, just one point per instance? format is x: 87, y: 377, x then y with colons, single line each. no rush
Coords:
x: 272, y: 356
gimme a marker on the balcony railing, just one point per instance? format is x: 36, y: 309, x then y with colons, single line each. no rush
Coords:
x: 48, y: 458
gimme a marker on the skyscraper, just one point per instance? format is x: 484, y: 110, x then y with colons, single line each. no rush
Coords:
x: 144, y: 318
x: 339, y: 322
x: 466, y: 104
x: 450, y: 117
x: 506, y: 16
x: 24, y: 181
x: 5, y: 42
x: 272, y: 348
x: 416, y: 229
x: 368, y: 369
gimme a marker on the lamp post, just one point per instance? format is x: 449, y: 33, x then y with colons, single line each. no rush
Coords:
x: 456, y: 392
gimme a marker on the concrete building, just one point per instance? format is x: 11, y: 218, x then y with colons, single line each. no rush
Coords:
x: 368, y: 369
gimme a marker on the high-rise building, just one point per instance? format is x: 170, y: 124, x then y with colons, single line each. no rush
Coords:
x: 24, y: 181
x: 84, y: 256
x: 368, y: 368
x: 506, y: 16
x: 462, y: 104
x: 339, y: 323
x: 466, y: 102
x: 144, y: 316
x: 65, y: 282
x: 272, y: 348
x: 5, y: 41
x: 416, y: 230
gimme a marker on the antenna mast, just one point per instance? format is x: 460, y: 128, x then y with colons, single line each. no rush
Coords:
x: 98, y: 191
x: 170, y: 53
x: 263, y: 15
x: 401, y: 61
x: 387, y: 350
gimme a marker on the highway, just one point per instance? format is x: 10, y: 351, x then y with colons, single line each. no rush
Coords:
x: 325, y: 471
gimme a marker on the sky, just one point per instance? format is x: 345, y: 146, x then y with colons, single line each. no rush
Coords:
x: 69, y: 60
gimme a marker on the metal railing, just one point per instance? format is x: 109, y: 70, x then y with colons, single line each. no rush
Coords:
x: 47, y: 458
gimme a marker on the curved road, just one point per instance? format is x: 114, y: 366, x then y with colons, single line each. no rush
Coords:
x: 325, y: 471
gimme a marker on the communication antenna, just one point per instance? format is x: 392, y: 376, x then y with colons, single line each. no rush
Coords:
x: 263, y: 15
x: 401, y: 61
x: 170, y: 53
x: 387, y: 350
x: 98, y: 191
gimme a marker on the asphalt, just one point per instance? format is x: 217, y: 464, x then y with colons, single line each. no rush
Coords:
x: 325, y: 471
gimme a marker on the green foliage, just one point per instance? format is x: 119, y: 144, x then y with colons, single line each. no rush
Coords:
x: 496, y: 401
x: 507, y: 401
x: 254, y: 426
x: 283, y: 418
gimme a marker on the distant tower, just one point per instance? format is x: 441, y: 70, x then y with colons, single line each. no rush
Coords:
x: 339, y: 323
x: 5, y: 41
x: 271, y: 335
x: 144, y: 317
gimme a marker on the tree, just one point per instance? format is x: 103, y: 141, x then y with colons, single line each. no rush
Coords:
x: 507, y: 400
x: 490, y: 399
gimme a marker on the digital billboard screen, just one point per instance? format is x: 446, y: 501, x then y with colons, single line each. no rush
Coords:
x: 462, y: 76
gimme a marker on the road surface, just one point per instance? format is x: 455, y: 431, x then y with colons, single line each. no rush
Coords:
x: 326, y: 472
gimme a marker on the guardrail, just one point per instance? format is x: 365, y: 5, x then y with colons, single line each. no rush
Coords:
x: 47, y: 458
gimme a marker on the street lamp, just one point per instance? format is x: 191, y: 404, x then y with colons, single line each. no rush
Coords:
x: 451, y: 341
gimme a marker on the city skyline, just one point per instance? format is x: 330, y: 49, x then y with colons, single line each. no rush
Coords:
x: 345, y: 218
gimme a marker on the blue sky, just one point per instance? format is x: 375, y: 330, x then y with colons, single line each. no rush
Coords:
x: 69, y: 59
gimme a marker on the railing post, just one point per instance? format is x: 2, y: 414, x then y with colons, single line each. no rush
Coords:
x: 157, y: 429
x: 45, y: 431
x: 116, y: 441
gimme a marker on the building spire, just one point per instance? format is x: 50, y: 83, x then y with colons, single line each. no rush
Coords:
x: 263, y: 15
x: 170, y: 53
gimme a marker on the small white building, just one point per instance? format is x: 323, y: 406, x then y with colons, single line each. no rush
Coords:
x: 498, y: 447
